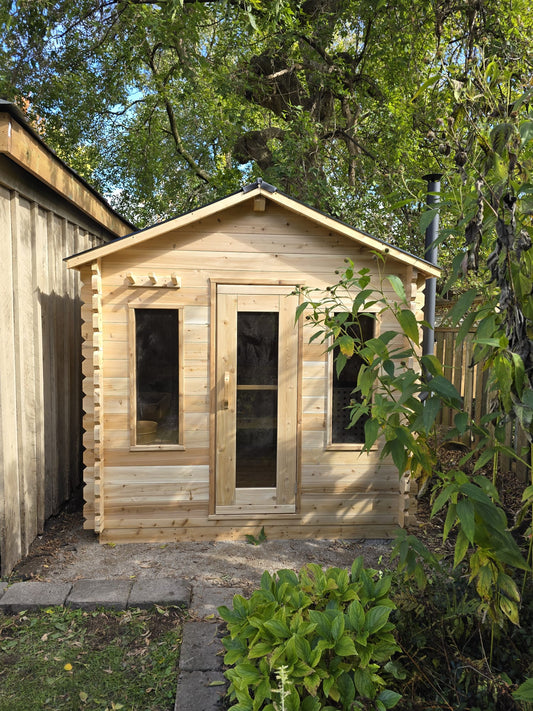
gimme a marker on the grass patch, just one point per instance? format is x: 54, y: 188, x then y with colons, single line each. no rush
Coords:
x: 71, y: 660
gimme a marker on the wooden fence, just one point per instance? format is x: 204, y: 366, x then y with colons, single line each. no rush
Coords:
x: 471, y: 382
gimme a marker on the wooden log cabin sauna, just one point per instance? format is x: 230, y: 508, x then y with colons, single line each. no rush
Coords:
x: 208, y: 413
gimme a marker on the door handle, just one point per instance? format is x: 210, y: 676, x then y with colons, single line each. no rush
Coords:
x: 225, y: 404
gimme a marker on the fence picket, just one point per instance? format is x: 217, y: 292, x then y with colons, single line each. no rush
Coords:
x: 471, y: 382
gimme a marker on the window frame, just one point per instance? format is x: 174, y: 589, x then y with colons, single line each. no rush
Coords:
x: 134, y: 447
x: 344, y: 446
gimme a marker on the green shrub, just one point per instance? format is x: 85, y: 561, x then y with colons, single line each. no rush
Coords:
x: 331, y: 632
x: 452, y: 656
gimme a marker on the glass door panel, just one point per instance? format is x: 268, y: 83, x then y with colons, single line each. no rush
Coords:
x: 257, y: 399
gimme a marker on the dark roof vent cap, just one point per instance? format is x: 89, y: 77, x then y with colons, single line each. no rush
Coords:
x: 259, y: 183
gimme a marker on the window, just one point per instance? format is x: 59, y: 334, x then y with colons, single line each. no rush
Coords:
x: 342, y: 387
x: 156, y: 396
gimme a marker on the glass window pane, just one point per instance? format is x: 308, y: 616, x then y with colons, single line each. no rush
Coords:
x: 257, y: 431
x: 343, y: 386
x: 157, y: 368
x: 257, y: 348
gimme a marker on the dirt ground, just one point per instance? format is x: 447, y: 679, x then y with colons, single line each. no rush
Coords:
x: 66, y: 552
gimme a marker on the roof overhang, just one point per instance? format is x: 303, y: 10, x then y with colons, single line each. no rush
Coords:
x: 23, y: 145
x: 329, y: 223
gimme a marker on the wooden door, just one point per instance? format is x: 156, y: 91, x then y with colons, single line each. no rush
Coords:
x: 256, y: 424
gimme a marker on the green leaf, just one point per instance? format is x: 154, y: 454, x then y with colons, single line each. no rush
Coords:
x: 311, y: 703
x: 345, y: 647
x: 364, y: 683
x: 322, y: 623
x: 465, y: 512
x: 442, y: 386
x: 376, y: 618
x: 346, y: 688
x: 461, y: 422
x: 371, y: 432
x: 461, y: 546
x: 461, y: 308
x: 500, y: 136
x: 465, y: 327
x: 389, y: 698
x: 432, y: 407
x: 260, y: 649
x: 248, y: 673
x: 451, y: 517
x: 383, y: 586
x: 395, y: 668
x: 508, y: 586
x: 409, y: 324
x: 337, y: 627
x: 519, y: 373
x: 484, y: 458
x: 347, y: 345
x: 228, y: 615
x: 278, y: 629
x: 432, y: 364
x: 300, y: 309
x: 356, y: 615
x: 357, y: 568
x: 526, y: 131
x: 524, y: 691
x: 509, y: 609
x: 399, y: 455
x: 398, y: 287
x: 427, y: 218
x: 442, y: 498
x: 340, y: 362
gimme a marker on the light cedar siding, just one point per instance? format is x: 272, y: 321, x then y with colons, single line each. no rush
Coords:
x: 165, y: 495
x: 46, y: 213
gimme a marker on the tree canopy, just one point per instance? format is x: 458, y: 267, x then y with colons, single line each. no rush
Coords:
x: 345, y: 104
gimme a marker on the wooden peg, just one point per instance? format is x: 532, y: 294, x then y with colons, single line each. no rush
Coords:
x: 130, y: 278
x: 176, y: 280
x: 153, y: 278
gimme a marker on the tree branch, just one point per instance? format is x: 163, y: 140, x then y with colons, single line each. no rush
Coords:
x: 178, y: 142
x: 341, y: 133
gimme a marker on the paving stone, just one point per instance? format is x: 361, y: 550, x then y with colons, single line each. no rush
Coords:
x: 201, y: 648
x: 195, y: 691
x: 91, y: 594
x: 3, y: 586
x: 206, y: 599
x: 160, y: 591
x: 31, y: 595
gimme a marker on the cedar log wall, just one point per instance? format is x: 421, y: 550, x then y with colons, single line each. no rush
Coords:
x: 165, y: 495
x: 40, y: 378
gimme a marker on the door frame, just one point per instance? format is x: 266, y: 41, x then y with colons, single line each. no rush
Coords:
x: 244, y: 509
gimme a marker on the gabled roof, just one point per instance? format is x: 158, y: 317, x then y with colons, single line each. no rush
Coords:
x: 246, y: 194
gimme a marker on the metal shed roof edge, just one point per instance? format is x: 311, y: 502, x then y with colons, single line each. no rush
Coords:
x: 9, y: 108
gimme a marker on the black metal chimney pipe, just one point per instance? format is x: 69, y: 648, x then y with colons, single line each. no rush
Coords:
x: 431, y: 255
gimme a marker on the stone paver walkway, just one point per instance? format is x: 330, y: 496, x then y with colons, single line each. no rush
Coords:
x: 201, y: 683
x: 90, y: 594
